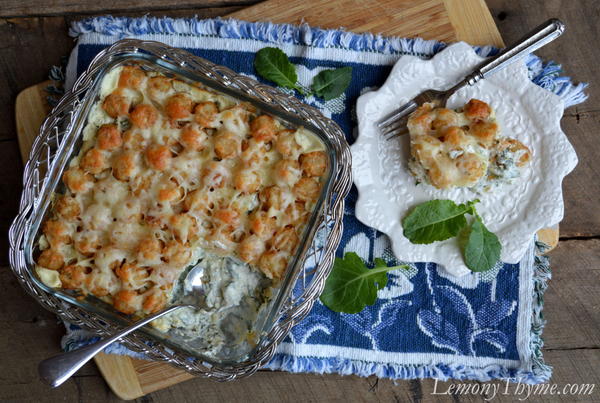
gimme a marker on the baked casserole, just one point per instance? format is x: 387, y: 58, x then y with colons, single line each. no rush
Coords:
x: 463, y: 148
x: 171, y: 173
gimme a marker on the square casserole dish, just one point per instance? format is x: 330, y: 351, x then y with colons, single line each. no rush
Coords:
x: 60, y: 140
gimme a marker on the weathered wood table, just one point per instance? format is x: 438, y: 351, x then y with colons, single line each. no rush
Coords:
x: 34, y: 37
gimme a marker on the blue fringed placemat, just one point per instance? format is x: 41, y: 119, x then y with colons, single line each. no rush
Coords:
x: 424, y: 323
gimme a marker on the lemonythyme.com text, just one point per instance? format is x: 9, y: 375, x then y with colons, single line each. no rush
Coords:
x: 519, y: 391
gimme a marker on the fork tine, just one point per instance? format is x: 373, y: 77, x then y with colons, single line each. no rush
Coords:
x: 398, y: 113
x: 393, y: 127
x: 396, y: 133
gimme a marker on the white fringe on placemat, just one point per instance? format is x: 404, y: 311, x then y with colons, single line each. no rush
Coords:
x: 545, y: 74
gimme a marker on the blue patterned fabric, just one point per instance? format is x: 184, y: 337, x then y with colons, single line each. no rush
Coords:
x: 425, y: 322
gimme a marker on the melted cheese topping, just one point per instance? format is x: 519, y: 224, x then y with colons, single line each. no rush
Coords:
x: 462, y: 148
x: 168, y: 171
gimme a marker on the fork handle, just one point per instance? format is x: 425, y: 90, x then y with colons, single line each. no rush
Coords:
x: 56, y: 370
x: 538, y: 37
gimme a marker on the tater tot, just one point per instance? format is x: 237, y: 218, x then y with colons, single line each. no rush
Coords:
x: 124, y: 166
x: 229, y: 216
x: 95, y: 289
x: 154, y: 302
x: 87, y: 245
x: 296, y: 213
x: 419, y: 122
x: 73, y: 277
x: 133, y: 140
x: 314, y: 163
x: 125, y: 301
x: 286, y: 144
x: 454, y: 136
x: 158, y: 87
x: 272, y: 264
x: 205, y: 113
x: 445, y: 117
x: 199, y: 200
x: 285, y: 239
x: 132, y: 275
x: 193, y: 138
x: 222, y: 238
x: 477, y: 110
x: 251, y: 248
x: 471, y: 166
x: 253, y: 153
x: 77, y: 180
x: 438, y: 176
x: 116, y: 104
x: 307, y: 189
x: 149, y: 249
x: 262, y: 225
x: 170, y: 193
x: 131, y: 77
x: 286, y: 172
x: 176, y: 253
x: 56, y: 232
x: 179, y: 106
x: 144, y: 116
x: 183, y: 227
x: 108, y: 137
x: 485, y: 132
x: 263, y: 128
x: 227, y: 145
x: 158, y: 157
x: 51, y: 259
x: 247, y: 181
x: 94, y: 161
x: 215, y: 174
x: 67, y: 207
x: 273, y: 197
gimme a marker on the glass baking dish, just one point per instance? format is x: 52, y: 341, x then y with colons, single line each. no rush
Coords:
x: 60, y: 140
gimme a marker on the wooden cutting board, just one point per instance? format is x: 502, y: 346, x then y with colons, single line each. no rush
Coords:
x: 447, y: 20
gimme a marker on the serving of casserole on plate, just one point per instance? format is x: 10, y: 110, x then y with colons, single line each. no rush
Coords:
x: 164, y: 166
x: 514, y: 203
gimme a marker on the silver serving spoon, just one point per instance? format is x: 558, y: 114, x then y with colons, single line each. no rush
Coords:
x: 56, y: 370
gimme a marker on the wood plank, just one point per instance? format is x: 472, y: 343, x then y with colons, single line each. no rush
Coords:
x: 549, y: 236
x: 124, y: 380
x: 153, y: 377
x: 473, y: 22
x: 30, y: 111
x: 35, y: 8
x: 407, y: 18
x: 572, y: 301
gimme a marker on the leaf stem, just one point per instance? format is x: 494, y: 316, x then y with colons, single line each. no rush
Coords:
x: 386, y: 269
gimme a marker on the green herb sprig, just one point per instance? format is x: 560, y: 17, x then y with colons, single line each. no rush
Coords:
x: 438, y: 220
x: 274, y: 65
x: 352, y: 285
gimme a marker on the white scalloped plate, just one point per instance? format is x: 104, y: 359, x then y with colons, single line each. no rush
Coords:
x: 514, y: 212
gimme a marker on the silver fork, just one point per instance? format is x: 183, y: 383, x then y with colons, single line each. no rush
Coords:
x: 395, y: 123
